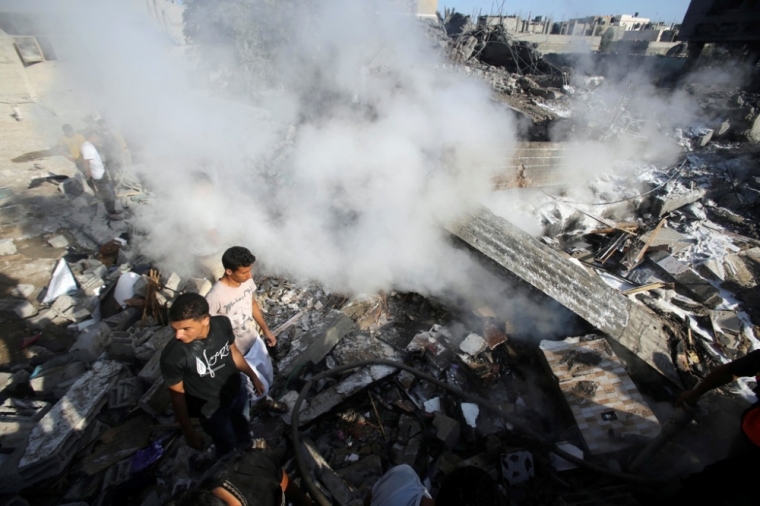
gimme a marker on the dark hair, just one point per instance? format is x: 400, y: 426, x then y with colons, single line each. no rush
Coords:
x: 198, y: 497
x: 237, y: 257
x: 469, y: 486
x: 66, y: 128
x: 93, y: 133
x: 188, y: 306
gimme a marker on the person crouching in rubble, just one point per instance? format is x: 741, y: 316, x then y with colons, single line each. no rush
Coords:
x: 95, y: 170
x: 731, y: 480
x: 202, y: 369
x: 245, y: 477
x: 232, y: 296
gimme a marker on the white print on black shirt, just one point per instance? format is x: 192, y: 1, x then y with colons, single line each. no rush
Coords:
x: 207, y: 368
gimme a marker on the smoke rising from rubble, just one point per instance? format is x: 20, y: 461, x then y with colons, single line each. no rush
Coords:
x: 344, y: 174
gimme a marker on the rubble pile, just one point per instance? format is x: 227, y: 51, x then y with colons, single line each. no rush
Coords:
x: 686, y: 247
x: 519, y: 75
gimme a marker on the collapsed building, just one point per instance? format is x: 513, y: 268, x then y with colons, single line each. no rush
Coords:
x: 657, y: 277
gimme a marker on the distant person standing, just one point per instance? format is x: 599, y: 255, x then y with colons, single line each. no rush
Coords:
x: 95, y: 170
x: 232, y: 296
x: 69, y: 145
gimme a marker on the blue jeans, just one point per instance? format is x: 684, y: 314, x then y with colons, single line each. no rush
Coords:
x: 229, y: 426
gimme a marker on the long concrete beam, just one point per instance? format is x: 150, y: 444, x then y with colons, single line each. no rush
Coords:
x: 622, y: 319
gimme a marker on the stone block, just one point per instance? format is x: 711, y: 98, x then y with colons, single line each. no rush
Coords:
x: 663, y: 204
x: 313, y: 345
x: 92, y: 341
x: 7, y: 247
x: 120, y: 346
x: 412, y: 450
x: 54, y: 440
x: 23, y: 291
x: 689, y: 282
x: 58, y: 241
x: 21, y: 308
x: 5, y: 379
x: 124, y: 319
x: 473, y: 345
x: 173, y: 282
x: 24, y: 309
x: 126, y: 393
x: 447, y: 430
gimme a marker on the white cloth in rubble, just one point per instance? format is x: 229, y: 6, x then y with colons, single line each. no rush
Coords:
x: 90, y: 153
x: 400, y: 486
x: 259, y: 360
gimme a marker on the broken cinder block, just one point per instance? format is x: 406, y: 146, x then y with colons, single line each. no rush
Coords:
x: 7, y: 247
x: 313, y: 345
x: 473, y: 345
x: 58, y: 241
x: 694, y: 285
x: 448, y: 430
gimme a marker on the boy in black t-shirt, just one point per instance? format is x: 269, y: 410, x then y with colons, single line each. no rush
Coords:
x: 201, y: 369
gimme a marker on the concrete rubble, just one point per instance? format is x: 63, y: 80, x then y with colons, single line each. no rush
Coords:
x: 662, y: 285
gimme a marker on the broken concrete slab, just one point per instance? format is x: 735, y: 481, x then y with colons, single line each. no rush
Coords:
x: 21, y: 308
x: 473, y: 345
x: 412, y: 450
x: 7, y: 247
x: 535, y: 165
x: 663, y: 204
x: 58, y: 241
x: 331, y: 397
x: 173, y: 282
x: 14, y: 433
x: 54, y: 440
x: 447, y: 430
x: 313, y: 345
x: 602, y: 397
x: 692, y: 284
x: 673, y: 240
x: 341, y: 492
x: 622, y: 319
x: 92, y: 341
x: 126, y: 393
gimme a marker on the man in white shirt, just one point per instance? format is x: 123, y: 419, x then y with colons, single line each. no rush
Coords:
x: 95, y: 170
x: 233, y: 297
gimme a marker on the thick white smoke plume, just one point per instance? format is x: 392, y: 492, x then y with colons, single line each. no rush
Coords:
x: 353, y: 196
